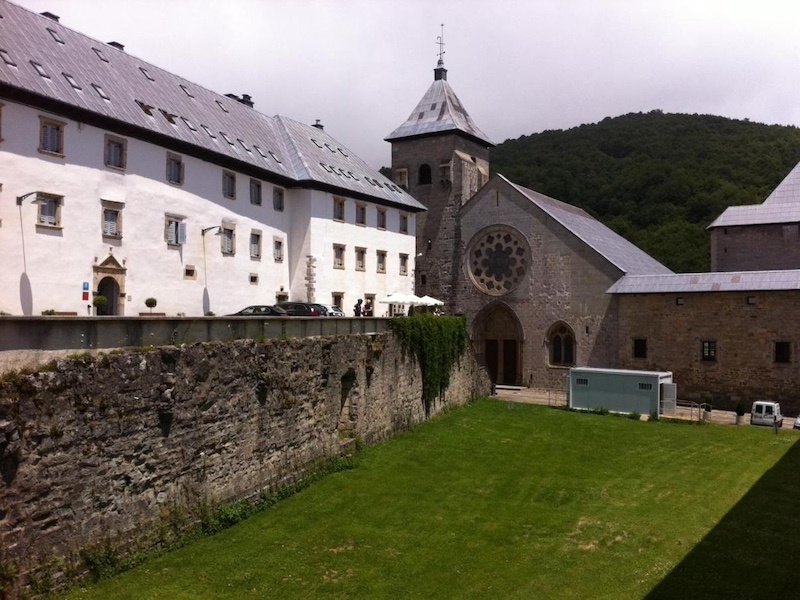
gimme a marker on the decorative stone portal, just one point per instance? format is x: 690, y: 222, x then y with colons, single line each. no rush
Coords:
x: 498, y: 341
x: 109, y: 281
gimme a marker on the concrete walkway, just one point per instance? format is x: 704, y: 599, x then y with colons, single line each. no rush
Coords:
x: 555, y: 398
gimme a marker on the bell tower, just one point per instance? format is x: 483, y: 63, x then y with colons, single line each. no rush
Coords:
x: 441, y: 158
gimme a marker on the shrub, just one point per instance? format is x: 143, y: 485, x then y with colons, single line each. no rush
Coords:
x: 99, y: 301
x: 740, y: 409
x: 635, y: 416
x: 48, y: 312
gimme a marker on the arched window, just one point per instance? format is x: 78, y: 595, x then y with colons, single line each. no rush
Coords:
x: 424, y: 174
x: 562, y: 346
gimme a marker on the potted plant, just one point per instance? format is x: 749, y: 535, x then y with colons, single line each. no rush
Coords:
x: 151, y: 304
x: 99, y: 302
x: 740, y: 410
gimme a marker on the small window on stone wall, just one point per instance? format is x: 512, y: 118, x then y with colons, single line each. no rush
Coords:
x: 639, y: 348
x: 783, y: 352
x: 424, y: 176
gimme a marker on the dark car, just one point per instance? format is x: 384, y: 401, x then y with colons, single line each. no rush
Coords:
x: 260, y: 310
x: 300, y: 309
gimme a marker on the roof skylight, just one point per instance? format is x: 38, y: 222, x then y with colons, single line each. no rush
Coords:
x: 242, y: 144
x: 168, y: 116
x: 40, y: 70
x: 222, y: 106
x: 55, y: 35
x: 100, y: 92
x: 188, y: 124
x: 146, y: 74
x: 208, y: 131
x: 260, y: 151
x: 7, y: 58
x: 71, y: 80
x: 343, y: 153
x: 186, y: 91
x: 100, y: 54
x: 226, y: 138
x: 145, y: 107
x: 275, y: 156
x: 317, y: 143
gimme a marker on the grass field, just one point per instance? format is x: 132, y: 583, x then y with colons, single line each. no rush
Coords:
x: 516, y: 501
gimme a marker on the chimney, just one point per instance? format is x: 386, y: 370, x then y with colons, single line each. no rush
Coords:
x: 318, y: 125
x: 247, y: 100
x: 117, y: 45
x: 50, y: 16
x: 233, y: 97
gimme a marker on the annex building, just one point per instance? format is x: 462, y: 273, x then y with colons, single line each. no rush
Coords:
x: 545, y: 286
x: 122, y: 180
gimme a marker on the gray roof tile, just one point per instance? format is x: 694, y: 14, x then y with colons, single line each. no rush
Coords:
x: 438, y: 111
x: 25, y: 36
x: 740, y: 281
x: 781, y: 206
x: 612, y: 246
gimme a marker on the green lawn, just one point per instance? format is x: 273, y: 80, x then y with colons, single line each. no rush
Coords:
x: 499, y: 501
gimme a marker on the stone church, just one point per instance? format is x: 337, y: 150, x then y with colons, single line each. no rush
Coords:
x: 545, y: 286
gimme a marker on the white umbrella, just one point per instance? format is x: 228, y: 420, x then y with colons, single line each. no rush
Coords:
x: 430, y: 301
x: 399, y: 298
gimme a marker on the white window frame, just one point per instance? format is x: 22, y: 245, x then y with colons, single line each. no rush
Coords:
x: 361, y: 259
x: 361, y: 214
x: 277, y: 249
x: 403, y: 226
x: 403, y: 264
x: 381, y: 218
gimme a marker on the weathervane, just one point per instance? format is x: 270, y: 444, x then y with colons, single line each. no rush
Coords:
x: 440, y: 42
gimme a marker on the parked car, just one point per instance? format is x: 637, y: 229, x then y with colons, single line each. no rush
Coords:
x: 332, y: 310
x: 260, y: 310
x: 766, y: 413
x: 300, y: 309
x: 796, y: 423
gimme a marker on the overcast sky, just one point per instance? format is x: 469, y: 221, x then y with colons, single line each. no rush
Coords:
x: 519, y: 67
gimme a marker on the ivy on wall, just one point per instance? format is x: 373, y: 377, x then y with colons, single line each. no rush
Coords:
x: 438, y: 343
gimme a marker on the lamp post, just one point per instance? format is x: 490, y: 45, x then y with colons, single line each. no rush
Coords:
x: 203, y: 233
x: 20, y: 199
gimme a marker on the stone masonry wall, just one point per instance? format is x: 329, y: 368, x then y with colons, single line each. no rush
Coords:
x: 744, y: 327
x: 110, y: 448
x: 755, y: 248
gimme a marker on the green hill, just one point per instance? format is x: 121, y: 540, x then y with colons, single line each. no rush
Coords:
x: 657, y: 179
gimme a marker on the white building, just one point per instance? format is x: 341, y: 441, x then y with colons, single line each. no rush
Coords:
x: 120, y: 179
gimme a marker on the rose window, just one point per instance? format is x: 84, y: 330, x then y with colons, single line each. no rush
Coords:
x: 498, y: 260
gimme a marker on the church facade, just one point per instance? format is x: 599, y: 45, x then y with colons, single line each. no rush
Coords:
x: 544, y: 286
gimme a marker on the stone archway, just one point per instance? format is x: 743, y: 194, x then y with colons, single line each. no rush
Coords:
x: 498, y: 340
x: 109, y: 281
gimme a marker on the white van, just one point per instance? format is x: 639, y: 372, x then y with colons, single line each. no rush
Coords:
x: 766, y: 413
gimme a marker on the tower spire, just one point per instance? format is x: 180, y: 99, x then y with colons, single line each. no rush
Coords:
x: 440, y: 72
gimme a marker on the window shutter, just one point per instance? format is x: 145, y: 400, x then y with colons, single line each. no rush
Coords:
x: 181, y: 233
x: 180, y: 172
x: 48, y: 212
x: 109, y: 222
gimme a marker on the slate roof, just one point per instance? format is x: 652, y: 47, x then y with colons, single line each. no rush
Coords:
x: 781, y: 206
x: 613, y: 247
x: 439, y: 111
x: 38, y: 54
x: 734, y: 281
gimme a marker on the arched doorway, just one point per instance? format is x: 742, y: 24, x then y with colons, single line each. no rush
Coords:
x: 109, y: 281
x: 109, y: 288
x: 497, y: 338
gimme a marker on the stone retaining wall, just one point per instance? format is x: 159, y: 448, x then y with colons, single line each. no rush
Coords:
x: 110, y: 448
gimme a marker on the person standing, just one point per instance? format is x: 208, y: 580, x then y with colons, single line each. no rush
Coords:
x: 357, y: 308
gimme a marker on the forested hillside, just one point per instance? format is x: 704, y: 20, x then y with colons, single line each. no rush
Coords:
x: 657, y: 179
